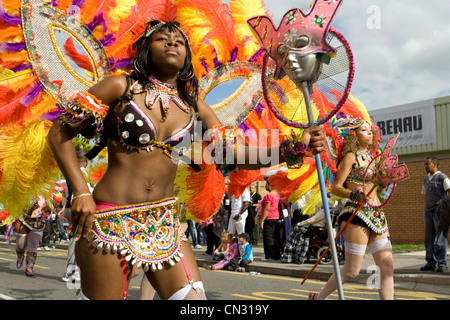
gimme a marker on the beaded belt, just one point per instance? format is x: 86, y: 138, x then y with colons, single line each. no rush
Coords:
x: 145, y: 234
x: 36, y: 224
x: 373, y: 218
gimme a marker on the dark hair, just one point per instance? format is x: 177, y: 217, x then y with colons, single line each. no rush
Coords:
x: 434, y: 160
x: 245, y: 236
x: 187, y: 85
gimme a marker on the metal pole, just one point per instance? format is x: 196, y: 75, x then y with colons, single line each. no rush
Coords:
x: 323, y: 191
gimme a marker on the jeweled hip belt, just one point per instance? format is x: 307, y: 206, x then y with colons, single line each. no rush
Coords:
x: 146, y: 234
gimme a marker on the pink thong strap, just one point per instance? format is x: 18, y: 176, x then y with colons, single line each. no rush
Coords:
x: 124, y: 278
x: 188, y: 274
x: 104, y: 205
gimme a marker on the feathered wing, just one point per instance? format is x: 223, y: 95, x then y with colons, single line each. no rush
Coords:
x: 219, y: 36
x: 30, y: 88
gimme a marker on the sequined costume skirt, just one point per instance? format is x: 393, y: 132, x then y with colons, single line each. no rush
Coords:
x: 367, y: 217
x: 36, y: 224
x: 147, y: 234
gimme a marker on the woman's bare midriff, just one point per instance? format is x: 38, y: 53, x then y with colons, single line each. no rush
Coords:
x: 134, y: 177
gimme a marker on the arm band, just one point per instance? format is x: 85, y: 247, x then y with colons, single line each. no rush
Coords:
x: 82, y: 109
x: 292, y: 150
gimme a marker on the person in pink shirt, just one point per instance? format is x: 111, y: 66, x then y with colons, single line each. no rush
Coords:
x: 271, y: 224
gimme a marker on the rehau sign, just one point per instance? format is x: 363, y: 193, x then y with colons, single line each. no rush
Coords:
x: 415, y: 121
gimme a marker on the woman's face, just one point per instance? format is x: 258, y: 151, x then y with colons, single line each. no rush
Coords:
x: 364, y: 135
x: 168, y: 50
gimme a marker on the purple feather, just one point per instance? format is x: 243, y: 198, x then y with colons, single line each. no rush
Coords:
x: 9, y: 19
x: 233, y: 55
x: 203, y: 63
x: 244, y: 127
x: 26, y: 100
x: 98, y: 20
x: 21, y: 67
x: 78, y: 3
x: 12, y: 46
x: 257, y: 55
x: 51, y: 115
x: 121, y: 63
x: 259, y: 108
x: 108, y: 39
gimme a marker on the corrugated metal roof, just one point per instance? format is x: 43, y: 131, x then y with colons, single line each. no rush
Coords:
x: 442, y: 145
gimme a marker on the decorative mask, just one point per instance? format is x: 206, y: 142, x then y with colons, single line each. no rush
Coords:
x: 304, y: 33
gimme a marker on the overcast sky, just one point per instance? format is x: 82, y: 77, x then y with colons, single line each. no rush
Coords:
x: 401, y: 47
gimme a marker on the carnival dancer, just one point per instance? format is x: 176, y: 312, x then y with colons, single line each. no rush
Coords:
x: 369, y: 226
x: 28, y: 232
x: 132, y: 209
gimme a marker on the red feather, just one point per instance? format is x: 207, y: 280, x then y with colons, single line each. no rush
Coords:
x: 80, y: 59
x: 207, y: 192
x: 11, y: 108
x: 143, y: 12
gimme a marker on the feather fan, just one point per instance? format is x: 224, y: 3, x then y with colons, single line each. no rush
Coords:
x: 27, y: 165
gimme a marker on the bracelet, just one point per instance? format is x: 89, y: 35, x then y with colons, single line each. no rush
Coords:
x: 82, y: 195
x: 356, y: 195
x: 292, y: 151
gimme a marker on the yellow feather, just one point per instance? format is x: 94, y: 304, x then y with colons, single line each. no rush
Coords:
x: 361, y: 107
x: 241, y: 11
x: 207, y: 22
x: 5, y: 74
x: 28, y: 166
x: 120, y: 13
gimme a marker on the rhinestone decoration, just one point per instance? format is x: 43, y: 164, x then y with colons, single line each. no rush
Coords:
x: 144, y: 138
x: 129, y: 117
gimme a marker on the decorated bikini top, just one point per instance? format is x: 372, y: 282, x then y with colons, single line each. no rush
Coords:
x: 137, y: 131
x: 134, y: 129
x: 361, y: 173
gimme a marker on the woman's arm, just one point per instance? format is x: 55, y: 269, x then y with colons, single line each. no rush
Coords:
x: 312, y: 137
x: 60, y: 139
x: 344, y: 169
x: 265, y: 214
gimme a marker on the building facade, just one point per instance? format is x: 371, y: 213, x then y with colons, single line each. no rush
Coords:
x: 405, y: 210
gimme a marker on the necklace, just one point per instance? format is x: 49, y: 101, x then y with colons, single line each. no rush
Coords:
x: 158, y: 90
x: 365, y: 155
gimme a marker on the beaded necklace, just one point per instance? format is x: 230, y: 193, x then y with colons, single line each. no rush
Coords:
x: 365, y: 155
x: 158, y: 90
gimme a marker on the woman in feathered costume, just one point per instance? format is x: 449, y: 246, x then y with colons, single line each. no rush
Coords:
x: 356, y: 176
x: 28, y: 231
x: 140, y: 115
x: 146, y: 115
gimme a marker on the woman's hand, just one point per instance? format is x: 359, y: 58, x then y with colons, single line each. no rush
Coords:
x: 83, y: 211
x: 313, y: 138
